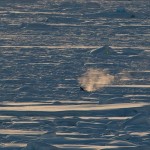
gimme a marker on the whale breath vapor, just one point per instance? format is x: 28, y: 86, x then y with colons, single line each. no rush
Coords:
x: 94, y: 79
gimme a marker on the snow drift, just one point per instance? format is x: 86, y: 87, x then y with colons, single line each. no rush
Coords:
x: 39, y: 146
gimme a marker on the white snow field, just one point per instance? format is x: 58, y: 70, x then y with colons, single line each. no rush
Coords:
x: 74, y: 75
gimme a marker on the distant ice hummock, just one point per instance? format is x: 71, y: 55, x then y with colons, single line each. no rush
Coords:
x: 121, y: 9
x: 104, y: 51
x: 39, y: 146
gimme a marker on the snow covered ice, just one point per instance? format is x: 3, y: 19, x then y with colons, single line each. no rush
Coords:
x: 49, y: 49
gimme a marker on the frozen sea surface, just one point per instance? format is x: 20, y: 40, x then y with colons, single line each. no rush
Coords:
x: 46, y: 47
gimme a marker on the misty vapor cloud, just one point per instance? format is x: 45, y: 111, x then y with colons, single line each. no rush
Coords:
x: 94, y: 79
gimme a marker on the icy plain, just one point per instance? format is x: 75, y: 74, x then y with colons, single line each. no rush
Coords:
x: 51, y: 48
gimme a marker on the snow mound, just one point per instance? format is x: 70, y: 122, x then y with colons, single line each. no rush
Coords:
x: 123, y: 12
x: 139, y: 119
x: 121, y: 143
x: 121, y: 9
x: 119, y: 12
x: 103, y: 51
x: 69, y: 20
x: 130, y: 51
x: 90, y: 124
x: 34, y: 26
x: 144, y: 54
x: 39, y: 146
